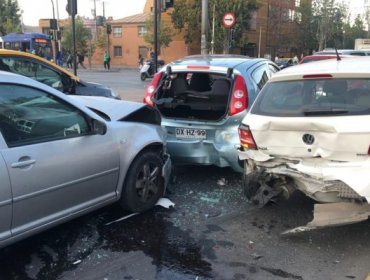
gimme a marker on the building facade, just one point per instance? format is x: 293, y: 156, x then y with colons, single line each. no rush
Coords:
x: 272, y: 32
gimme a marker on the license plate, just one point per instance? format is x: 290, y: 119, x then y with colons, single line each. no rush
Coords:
x: 192, y: 133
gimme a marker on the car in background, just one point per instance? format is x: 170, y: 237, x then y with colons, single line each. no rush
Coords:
x: 49, y: 73
x: 308, y: 130
x: 285, y: 62
x: 318, y: 57
x: 344, y: 52
x: 59, y: 159
x: 202, y: 100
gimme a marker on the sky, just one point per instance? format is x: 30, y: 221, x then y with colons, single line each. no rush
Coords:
x: 116, y: 8
x: 33, y: 10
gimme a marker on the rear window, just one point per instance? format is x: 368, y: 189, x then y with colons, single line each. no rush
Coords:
x: 321, y: 97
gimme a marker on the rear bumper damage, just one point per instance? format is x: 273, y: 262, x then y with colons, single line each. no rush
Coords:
x: 343, y: 186
x: 217, y: 149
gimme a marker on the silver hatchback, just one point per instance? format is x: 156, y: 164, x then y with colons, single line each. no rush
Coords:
x: 60, y: 159
x: 202, y: 100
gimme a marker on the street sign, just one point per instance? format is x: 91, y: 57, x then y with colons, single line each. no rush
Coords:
x: 228, y: 20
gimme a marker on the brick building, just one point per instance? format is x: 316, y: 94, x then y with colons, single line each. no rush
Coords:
x: 272, y: 32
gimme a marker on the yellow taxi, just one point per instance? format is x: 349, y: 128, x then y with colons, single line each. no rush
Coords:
x: 49, y: 73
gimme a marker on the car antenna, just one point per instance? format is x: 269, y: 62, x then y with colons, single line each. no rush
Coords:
x: 336, y: 52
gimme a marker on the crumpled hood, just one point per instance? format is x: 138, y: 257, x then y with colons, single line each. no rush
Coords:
x: 115, y: 109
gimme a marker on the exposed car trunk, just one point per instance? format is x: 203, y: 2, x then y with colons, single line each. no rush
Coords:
x: 194, y: 96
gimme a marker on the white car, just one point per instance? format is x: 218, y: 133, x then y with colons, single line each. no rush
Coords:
x: 309, y: 130
x: 60, y: 159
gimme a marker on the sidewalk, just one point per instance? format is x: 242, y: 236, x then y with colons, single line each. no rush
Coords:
x: 100, y: 68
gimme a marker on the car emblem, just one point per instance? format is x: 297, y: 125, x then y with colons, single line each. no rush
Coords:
x: 308, y: 139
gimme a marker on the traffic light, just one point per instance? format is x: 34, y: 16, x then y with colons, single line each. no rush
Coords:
x: 51, y: 35
x: 59, y: 35
x: 100, y: 21
x: 71, y: 7
x: 109, y: 29
x: 53, y: 24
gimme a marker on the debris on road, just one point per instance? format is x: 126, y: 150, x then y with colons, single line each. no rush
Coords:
x: 121, y: 219
x: 334, y: 214
x: 165, y: 203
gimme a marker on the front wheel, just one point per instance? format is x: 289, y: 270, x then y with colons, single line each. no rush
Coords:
x: 144, y: 183
x: 143, y: 76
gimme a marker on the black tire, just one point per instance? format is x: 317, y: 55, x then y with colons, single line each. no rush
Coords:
x: 144, y: 183
x: 250, y: 185
x: 143, y: 76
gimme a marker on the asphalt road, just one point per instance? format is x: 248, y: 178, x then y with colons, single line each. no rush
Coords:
x: 211, y: 233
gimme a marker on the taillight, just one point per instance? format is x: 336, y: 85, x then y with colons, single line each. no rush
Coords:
x: 246, y: 138
x: 239, y: 98
x: 151, y: 89
x: 368, y: 151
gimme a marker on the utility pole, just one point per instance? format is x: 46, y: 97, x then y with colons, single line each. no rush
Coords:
x: 53, y: 43
x: 96, y: 25
x: 58, y: 28
x: 203, y: 40
x: 213, y: 30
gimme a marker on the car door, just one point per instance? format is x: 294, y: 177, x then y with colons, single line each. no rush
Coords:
x: 5, y: 196
x: 56, y: 166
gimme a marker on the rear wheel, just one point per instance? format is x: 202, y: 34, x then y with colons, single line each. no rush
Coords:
x: 143, y: 76
x: 144, y: 183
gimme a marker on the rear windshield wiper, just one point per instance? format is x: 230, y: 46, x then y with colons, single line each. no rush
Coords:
x: 324, y: 111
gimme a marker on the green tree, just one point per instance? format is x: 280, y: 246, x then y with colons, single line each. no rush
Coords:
x: 83, y: 36
x: 329, y: 16
x: 164, y: 34
x: 307, y: 27
x: 352, y: 32
x: 10, y: 17
x: 186, y: 17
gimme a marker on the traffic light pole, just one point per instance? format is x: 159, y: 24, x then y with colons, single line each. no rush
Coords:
x: 74, y: 44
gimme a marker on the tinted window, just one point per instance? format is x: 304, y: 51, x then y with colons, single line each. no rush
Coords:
x: 28, y: 115
x: 314, y: 97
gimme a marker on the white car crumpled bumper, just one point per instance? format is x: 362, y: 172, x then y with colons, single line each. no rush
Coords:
x: 344, y: 187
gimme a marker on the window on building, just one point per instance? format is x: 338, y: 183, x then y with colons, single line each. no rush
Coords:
x: 253, y: 21
x: 117, y: 31
x: 142, y: 31
x: 117, y: 50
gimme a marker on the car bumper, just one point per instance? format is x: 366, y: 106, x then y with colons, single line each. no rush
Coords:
x: 218, y: 149
x: 321, y: 179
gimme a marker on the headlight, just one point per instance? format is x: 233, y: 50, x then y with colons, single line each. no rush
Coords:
x: 114, y: 94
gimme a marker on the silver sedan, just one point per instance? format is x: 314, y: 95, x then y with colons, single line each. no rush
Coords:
x: 61, y: 157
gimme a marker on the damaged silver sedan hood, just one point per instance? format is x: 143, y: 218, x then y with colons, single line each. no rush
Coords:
x: 114, y: 109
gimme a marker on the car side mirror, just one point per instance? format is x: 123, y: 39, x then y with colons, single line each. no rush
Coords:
x: 98, y: 127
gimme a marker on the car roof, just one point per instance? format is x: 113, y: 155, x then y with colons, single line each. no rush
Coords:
x: 5, y: 52
x: 229, y: 61
x: 351, y: 67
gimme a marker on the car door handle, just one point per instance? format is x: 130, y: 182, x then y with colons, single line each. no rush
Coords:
x: 24, y: 163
